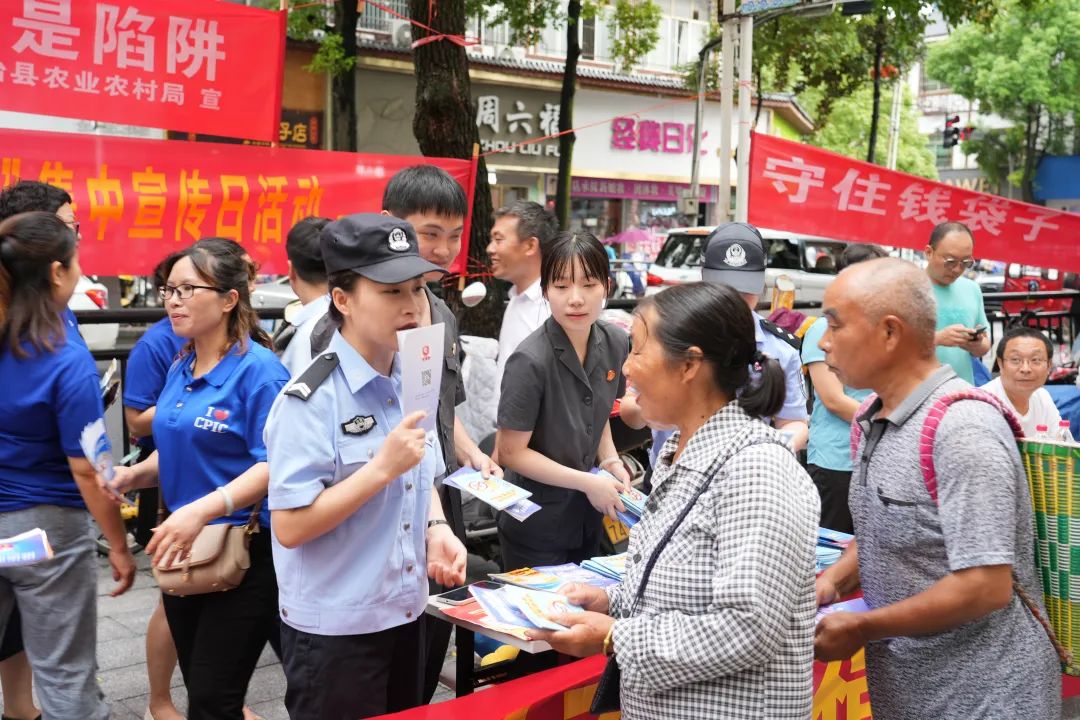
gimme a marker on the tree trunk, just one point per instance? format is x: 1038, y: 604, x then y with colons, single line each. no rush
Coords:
x: 879, y: 52
x: 445, y: 126
x: 1031, y: 160
x: 344, y: 85
x: 566, y: 113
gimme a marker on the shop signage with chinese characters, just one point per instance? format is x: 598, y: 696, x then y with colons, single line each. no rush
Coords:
x: 801, y: 188
x: 199, y: 66
x: 512, y: 116
x: 138, y: 200
x: 581, y: 187
x: 644, y: 135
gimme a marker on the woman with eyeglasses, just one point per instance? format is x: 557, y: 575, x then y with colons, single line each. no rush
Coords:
x: 50, y: 395
x: 1024, y: 359
x: 961, y: 316
x: 211, y: 466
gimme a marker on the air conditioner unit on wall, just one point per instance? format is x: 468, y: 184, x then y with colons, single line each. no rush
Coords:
x: 401, y: 33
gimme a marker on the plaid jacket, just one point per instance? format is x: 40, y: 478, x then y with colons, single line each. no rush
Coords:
x: 726, y: 625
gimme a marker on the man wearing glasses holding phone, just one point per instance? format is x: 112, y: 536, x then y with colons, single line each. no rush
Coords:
x: 961, y: 317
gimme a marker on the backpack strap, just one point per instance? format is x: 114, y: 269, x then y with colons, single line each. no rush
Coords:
x: 856, y: 428
x: 933, y: 422
x: 926, y: 463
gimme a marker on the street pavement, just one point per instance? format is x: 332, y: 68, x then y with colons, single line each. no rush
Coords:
x: 122, y: 656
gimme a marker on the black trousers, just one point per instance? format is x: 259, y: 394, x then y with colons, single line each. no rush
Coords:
x: 833, y: 486
x: 516, y: 555
x: 219, y: 636
x: 345, y: 677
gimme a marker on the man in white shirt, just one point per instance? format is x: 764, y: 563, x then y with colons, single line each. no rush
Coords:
x: 1023, y: 357
x: 518, y: 237
x: 307, y: 277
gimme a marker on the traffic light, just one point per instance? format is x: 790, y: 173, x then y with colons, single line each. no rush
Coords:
x: 951, y: 135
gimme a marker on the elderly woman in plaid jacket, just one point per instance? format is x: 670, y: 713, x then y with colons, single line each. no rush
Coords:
x: 724, y: 624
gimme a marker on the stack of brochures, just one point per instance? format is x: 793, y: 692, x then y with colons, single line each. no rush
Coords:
x: 494, y: 491
x: 830, y: 546
x: 553, y: 577
x: 520, y: 607
x: 856, y: 605
x: 612, y: 566
x: 634, y: 501
x: 25, y: 548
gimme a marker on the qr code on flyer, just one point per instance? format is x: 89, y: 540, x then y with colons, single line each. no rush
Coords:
x: 425, y: 378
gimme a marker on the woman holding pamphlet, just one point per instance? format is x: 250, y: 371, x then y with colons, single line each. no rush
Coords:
x: 210, y: 464
x: 50, y: 396
x: 715, y: 614
x: 557, y: 393
x: 356, y: 519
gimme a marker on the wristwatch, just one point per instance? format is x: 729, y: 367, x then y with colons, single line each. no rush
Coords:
x: 433, y: 523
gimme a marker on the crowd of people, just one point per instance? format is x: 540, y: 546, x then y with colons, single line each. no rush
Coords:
x: 299, y: 443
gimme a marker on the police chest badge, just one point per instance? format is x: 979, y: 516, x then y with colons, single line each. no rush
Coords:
x: 359, y: 425
x: 735, y: 256
x: 398, y: 241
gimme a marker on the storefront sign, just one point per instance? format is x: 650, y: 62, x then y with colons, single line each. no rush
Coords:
x: 197, y: 66
x: 298, y: 129
x: 508, y: 118
x: 674, y: 138
x: 801, y: 188
x: 138, y: 200
x: 636, y: 190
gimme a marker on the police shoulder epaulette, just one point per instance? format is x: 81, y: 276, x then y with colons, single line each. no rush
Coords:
x: 313, y: 377
x: 774, y: 329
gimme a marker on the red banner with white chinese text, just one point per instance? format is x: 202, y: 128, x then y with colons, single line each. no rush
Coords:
x: 198, y: 66
x: 138, y: 200
x: 801, y: 188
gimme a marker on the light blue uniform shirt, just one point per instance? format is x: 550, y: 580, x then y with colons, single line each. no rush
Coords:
x: 830, y: 437
x: 795, y: 396
x: 960, y: 303
x: 370, y: 572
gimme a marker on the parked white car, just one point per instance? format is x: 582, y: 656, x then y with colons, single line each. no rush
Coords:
x: 90, y: 295
x: 809, y: 261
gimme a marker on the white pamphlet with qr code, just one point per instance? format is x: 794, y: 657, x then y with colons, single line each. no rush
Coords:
x: 421, y: 352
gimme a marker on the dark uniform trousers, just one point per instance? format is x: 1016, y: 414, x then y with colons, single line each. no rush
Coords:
x: 833, y: 487
x: 438, y: 631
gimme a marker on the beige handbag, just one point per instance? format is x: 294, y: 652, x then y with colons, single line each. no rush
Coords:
x: 218, y: 560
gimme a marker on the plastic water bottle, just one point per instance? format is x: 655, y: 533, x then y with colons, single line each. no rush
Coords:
x: 1064, y: 434
x: 1042, y: 432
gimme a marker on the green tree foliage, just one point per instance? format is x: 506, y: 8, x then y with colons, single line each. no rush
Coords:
x: 632, y: 24
x: 1023, y: 66
x: 849, y: 129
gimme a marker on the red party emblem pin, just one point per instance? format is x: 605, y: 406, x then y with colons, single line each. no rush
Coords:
x: 610, y: 375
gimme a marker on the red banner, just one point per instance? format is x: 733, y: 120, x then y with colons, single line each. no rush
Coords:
x: 197, y: 66
x: 800, y: 188
x: 138, y: 200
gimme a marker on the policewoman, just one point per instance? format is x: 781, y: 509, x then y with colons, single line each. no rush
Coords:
x: 50, y: 393
x: 211, y: 466
x: 557, y: 394
x: 356, y: 523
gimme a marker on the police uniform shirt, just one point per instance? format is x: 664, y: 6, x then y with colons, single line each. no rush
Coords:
x: 545, y: 390
x: 208, y: 430
x: 769, y: 343
x: 148, y: 366
x: 297, y: 356
x: 452, y: 388
x: 48, y: 399
x: 370, y: 572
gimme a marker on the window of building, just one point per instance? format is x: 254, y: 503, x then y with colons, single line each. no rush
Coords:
x: 588, y: 38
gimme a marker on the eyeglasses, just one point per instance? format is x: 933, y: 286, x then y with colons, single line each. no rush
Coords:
x: 966, y: 263
x: 1018, y: 362
x: 185, y: 291
x: 73, y: 224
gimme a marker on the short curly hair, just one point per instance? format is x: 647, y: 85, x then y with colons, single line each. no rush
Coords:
x: 31, y: 196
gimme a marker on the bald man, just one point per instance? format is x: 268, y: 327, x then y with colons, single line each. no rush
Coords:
x: 945, y: 633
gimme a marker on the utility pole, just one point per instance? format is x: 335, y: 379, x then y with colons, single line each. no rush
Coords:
x: 746, y: 73
x: 727, y: 73
x: 894, y: 123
